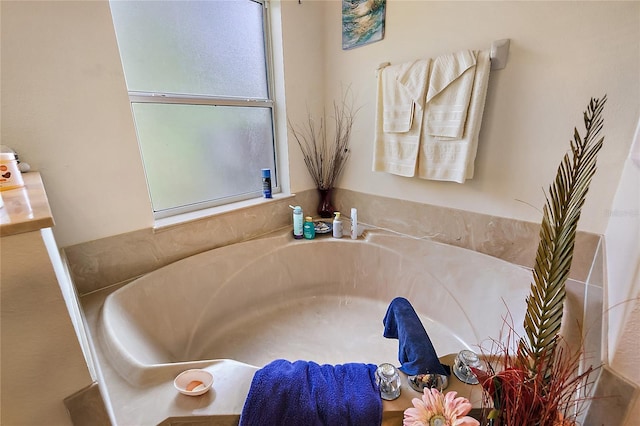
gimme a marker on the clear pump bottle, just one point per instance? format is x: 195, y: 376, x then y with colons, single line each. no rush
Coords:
x: 297, y: 222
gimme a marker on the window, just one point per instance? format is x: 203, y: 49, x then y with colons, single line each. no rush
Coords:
x: 197, y: 73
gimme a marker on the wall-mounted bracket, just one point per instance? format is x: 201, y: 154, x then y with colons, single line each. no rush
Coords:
x: 499, y: 53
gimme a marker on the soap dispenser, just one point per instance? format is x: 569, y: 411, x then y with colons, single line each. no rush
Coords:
x: 337, y: 226
x: 309, y: 228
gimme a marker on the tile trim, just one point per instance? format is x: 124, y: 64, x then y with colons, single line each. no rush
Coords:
x: 101, y: 263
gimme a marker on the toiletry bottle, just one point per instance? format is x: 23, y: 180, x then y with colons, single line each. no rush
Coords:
x: 297, y: 222
x: 354, y: 223
x: 266, y: 183
x: 337, y: 226
x: 10, y: 176
x: 309, y: 228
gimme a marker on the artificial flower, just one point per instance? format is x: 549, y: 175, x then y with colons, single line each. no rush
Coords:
x: 436, y: 409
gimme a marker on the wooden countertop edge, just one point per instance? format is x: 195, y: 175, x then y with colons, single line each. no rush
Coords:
x: 25, y: 209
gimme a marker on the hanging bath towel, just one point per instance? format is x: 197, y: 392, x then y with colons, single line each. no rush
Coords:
x: 449, y: 94
x: 449, y: 158
x: 400, y: 103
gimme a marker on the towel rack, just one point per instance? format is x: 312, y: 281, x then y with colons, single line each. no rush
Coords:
x: 499, y: 55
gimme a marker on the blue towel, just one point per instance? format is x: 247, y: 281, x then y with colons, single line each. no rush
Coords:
x: 306, y: 393
x: 415, y: 350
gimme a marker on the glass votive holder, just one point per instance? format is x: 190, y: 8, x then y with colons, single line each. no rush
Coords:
x: 462, y: 365
x: 388, y: 381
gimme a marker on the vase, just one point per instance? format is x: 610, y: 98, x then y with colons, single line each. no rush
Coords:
x: 325, y: 206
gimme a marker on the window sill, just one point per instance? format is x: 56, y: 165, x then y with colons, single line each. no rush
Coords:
x: 179, y: 219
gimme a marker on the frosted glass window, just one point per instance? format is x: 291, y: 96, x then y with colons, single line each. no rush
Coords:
x: 197, y: 73
x: 213, y: 47
x: 195, y: 153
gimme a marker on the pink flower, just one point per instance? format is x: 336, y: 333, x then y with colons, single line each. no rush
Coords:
x: 435, y: 409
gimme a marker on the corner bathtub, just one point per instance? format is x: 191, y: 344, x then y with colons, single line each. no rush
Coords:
x: 321, y: 300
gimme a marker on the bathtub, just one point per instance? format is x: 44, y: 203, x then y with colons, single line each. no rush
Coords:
x: 322, y: 300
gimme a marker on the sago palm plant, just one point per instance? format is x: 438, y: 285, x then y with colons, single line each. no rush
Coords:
x: 560, y: 218
x: 538, y: 385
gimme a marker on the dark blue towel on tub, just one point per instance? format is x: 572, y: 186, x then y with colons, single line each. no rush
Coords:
x: 307, y: 394
x: 415, y: 352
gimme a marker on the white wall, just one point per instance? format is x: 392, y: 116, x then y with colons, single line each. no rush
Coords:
x: 623, y: 264
x: 562, y: 54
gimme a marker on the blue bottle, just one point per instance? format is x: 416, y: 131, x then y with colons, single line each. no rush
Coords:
x: 266, y: 183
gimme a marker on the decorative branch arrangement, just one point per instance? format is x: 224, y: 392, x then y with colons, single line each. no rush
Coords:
x: 540, y: 384
x: 326, y: 159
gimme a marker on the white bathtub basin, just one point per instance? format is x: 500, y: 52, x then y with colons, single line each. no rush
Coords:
x: 321, y: 300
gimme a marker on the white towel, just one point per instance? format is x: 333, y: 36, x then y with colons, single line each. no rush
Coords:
x: 452, y: 159
x: 400, y: 101
x: 397, y: 104
x: 449, y: 93
x: 414, y: 77
x: 403, y: 86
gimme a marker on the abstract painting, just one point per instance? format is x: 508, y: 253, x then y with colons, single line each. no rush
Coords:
x: 362, y: 22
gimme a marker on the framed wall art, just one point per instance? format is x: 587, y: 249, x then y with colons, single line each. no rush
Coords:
x: 362, y: 22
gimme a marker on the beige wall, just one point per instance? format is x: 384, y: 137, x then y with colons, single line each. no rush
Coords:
x: 65, y: 109
x: 304, y: 74
x: 562, y: 53
x: 42, y: 362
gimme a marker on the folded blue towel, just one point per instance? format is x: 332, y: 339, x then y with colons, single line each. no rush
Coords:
x: 415, y: 350
x: 306, y: 393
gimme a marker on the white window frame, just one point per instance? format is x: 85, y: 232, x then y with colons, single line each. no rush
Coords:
x: 181, y: 99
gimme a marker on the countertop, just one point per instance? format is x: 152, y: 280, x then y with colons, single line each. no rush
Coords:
x: 25, y: 209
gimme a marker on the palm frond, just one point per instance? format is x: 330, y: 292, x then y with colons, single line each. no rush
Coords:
x: 554, y: 255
